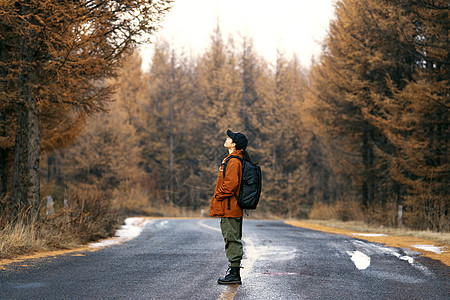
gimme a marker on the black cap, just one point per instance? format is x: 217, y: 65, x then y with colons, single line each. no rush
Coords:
x: 239, y: 139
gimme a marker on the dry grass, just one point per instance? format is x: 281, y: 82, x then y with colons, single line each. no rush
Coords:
x: 376, y: 219
x: 20, y: 238
x: 130, y: 197
x: 88, y: 216
x: 341, y: 210
x: 359, y: 226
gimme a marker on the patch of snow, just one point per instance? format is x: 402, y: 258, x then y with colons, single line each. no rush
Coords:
x: 360, y: 260
x: 376, y: 249
x: 430, y: 248
x: 163, y: 223
x: 132, y: 229
x: 407, y: 258
x: 370, y: 234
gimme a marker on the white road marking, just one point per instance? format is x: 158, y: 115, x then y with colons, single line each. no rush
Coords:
x: 207, y: 226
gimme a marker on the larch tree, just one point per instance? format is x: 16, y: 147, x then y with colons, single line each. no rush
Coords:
x: 251, y: 68
x: 353, y: 68
x: 256, y: 76
x: 106, y: 154
x: 414, y: 113
x: 170, y: 116
x: 219, y: 102
x: 107, y: 151
x: 55, y: 55
x: 327, y: 117
x: 380, y: 91
x: 281, y: 130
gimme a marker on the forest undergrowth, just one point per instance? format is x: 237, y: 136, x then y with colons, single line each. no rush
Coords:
x: 89, y: 214
x: 375, y: 219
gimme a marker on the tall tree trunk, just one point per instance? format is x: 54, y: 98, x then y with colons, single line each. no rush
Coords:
x: 4, y: 177
x: 5, y: 160
x: 244, y: 87
x: 5, y: 153
x: 4, y: 170
x: 26, y: 183
x: 25, y: 198
x: 368, y: 179
x: 171, y: 128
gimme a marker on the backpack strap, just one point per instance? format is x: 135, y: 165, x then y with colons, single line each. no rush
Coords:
x: 224, y: 169
x: 226, y: 162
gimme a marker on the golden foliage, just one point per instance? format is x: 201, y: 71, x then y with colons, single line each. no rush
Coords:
x: 362, y: 131
x: 379, y: 103
x: 56, y: 57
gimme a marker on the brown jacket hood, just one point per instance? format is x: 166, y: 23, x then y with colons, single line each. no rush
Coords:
x: 224, y: 203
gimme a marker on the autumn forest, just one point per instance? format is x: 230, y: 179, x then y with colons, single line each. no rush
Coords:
x: 361, y: 134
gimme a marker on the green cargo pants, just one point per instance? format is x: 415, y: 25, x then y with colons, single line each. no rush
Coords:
x: 232, y: 235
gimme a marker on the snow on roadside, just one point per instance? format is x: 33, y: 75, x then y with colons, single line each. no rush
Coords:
x: 430, y: 248
x: 376, y: 249
x: 132, y: 228
x: 370, y: 234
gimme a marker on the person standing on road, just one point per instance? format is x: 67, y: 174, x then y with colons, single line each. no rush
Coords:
x: 224, y: 204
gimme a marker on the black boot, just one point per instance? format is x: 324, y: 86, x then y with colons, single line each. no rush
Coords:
x: 233, y: 276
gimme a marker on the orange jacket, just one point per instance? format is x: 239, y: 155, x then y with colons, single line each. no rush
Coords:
x: 224, y: 203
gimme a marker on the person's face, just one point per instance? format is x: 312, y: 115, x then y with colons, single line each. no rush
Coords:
x: 228, y: 143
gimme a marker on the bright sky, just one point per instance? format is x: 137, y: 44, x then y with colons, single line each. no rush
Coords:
x: 290, y: 26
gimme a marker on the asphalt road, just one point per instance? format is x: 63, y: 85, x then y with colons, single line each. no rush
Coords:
x: 182, y: 259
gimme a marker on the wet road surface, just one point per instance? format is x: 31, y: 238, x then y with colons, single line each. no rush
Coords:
x: 182, y: 259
